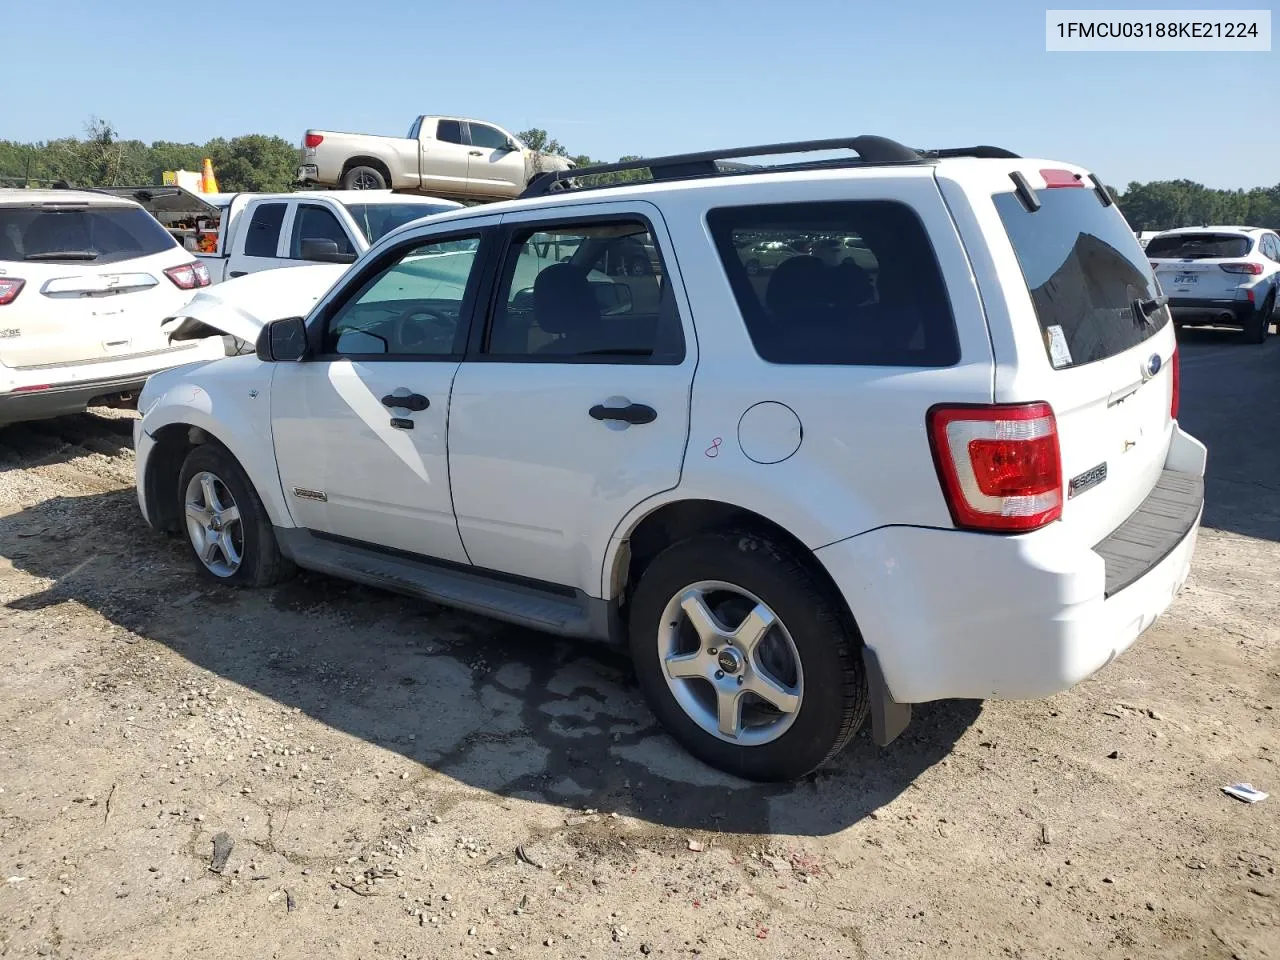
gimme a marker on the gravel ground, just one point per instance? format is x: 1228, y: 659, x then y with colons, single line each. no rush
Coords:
x: 386, y: 778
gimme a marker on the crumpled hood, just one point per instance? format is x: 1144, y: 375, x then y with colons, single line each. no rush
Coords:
x: 243, y: 306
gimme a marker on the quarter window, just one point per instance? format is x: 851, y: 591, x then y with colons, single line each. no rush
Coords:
x: 413, y: 307
x: 592, y: 292
x: 837, y: 283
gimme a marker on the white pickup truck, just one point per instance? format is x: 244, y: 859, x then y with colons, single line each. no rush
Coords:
x: 446, y: 156
x: 248, y: 232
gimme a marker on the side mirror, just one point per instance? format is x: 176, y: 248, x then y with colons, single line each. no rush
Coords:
x: 282, y: 340
x: 512, y: 145
x: 325, y: 251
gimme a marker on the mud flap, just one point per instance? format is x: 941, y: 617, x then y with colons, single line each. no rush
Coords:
x: 888, y: 718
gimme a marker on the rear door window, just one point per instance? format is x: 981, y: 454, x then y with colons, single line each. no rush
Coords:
x: 1198, y: 246
x: 263, y: 237
x: 1085, y: 272
x: 70, y: 233
x: 853, y: 282
x: 450, y: 131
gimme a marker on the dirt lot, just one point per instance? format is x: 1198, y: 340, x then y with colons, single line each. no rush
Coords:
x: 403, y: 781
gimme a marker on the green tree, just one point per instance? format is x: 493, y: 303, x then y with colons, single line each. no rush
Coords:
x: 254, y: 162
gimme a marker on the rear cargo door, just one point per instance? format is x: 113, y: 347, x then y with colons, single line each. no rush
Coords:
x: 94, y: 286
x: 1074, y: 322
x: 1198, y: 265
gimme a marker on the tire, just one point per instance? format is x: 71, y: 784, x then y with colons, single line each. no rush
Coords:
x: 364, y: 178
x: 829, y: 688
x: 250, y: 557
x: 1260, y: 323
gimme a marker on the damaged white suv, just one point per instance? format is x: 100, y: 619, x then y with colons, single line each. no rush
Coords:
x: 932, y: 451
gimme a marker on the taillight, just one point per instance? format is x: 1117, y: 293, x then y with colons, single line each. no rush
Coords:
x: 999, y: 465
x: 313, y: 140
x: 1250, y: 268
x: 1177, y: 384
x: 189, y: 275
x: 10, y: 287
x: 1061, y: 178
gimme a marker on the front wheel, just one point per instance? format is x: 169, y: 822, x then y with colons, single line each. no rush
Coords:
x: 227, y: 527
x: 745, y: 658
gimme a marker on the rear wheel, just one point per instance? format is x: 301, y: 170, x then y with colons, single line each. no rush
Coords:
x: 227, y: 527
x: 363, y: 178
x: 1260, y: 322
x: 745, y: 658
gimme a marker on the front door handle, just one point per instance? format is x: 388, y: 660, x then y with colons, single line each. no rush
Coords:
x: 631, y: 413
x: 414, y: 401
x: 476, y: 153
x: 238, y: 273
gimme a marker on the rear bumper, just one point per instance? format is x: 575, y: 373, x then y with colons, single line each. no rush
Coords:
x: 57, y: 401
x: 955, y: 614
x: 308, y: 173
x: 1238, y: 312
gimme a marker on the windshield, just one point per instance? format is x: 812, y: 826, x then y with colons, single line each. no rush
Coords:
x: 376, y: 220
x: 1085, y: 272
x: 80, y: 234
x: 1198, y: 246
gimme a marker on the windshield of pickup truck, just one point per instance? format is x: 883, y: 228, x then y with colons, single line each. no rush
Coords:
x: 376, y: 220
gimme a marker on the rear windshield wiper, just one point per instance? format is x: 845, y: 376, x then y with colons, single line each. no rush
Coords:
x: 63, y: 255
x: 1143, y: 309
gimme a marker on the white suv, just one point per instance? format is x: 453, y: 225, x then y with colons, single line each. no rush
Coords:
x: 1219, y: 275
x: 85, y: 282
x: 943, y: 463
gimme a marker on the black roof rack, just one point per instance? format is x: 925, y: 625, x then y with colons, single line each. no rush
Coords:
x: 871, y: 151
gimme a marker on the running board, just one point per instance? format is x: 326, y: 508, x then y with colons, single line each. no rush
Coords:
x: 563, y: 612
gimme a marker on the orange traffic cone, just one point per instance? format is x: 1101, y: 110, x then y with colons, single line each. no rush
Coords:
x: 207, y: 182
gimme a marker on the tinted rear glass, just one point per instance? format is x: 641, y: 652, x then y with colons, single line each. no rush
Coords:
x: 376, y: 220
x: 70, y: 234
x: 1085, y: 272
x: 1198, y: 246
x: 837, y: 283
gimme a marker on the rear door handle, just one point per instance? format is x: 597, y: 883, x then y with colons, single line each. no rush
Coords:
x: 632, y: 413
x: 414, y: 401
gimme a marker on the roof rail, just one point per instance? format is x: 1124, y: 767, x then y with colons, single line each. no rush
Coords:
x: 870, y: 150
x: 982, y: 152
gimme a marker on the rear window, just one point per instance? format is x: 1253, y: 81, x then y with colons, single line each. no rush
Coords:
x: 80, y: 234
x: 376, y: 220
x: 1198, y: 246
x: 851, y: 282
x: 1085, y: 272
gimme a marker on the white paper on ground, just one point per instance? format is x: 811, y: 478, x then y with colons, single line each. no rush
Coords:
x: 1245, y: 791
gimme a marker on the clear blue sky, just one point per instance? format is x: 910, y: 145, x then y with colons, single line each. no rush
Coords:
x: 647, y: 76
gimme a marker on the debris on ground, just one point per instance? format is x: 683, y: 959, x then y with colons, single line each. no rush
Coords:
x: 222, y: 846
x: 1246, y: 792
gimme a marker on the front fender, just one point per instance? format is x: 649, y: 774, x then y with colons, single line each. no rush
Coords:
x: 230, y: 400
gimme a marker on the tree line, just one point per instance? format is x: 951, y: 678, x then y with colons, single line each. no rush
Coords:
x: 261, y: 163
